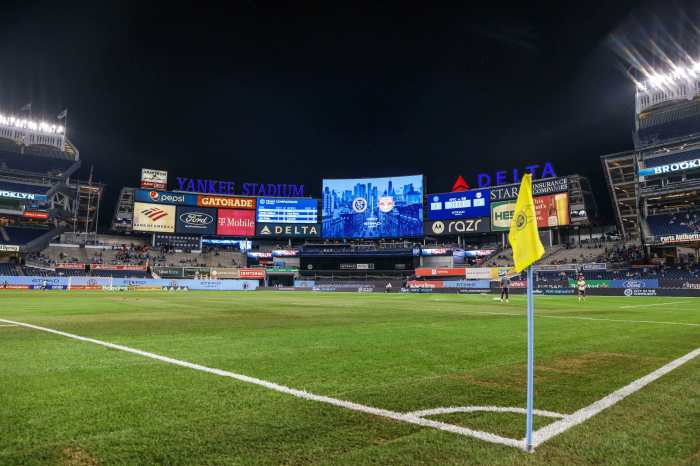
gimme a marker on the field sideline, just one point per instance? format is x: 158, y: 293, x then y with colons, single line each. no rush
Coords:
x: 68, y: 401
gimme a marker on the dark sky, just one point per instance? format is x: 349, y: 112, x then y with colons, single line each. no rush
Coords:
x: 291, y: 95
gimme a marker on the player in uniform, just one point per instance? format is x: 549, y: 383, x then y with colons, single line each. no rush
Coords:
x: 581, y: 288
x: 505, y: 285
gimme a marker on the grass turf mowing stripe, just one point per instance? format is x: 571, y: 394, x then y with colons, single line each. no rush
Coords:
x: 580, y: 416
x: 408, y: 418
x: 515, y: 314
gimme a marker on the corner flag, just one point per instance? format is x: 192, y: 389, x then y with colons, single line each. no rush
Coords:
x: 523, y: 236
x: 527, y: 249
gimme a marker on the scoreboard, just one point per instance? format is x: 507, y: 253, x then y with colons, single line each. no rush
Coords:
x: 286, y: 210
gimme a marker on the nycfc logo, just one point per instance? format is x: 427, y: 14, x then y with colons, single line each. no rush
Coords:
x: 628, y: 292
x: 359, y: 205
x: 196, y: 219
x: 438, y: 227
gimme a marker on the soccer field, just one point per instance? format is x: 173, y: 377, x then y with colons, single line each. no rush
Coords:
x: 343, y: 378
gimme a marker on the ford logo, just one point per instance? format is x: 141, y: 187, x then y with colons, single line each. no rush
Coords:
x: 196, y: 219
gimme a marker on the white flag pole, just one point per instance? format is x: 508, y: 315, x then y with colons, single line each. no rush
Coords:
x: 530, y: 358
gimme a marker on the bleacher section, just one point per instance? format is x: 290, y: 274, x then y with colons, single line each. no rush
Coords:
x: 29, y: 163
x: 20, y: 236
x: 674, y: 224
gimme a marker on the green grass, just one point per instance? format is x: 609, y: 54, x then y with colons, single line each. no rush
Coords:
x: 68, y: 402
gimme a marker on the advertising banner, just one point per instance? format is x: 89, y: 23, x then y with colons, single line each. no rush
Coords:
x: 138, y: 283
x: 577, y: 214
x: 22, y: 196
x: 684, y: 165
x: 128, y: 267
x: 288, y: 230
x: 373, y: 207
x: 592, y: 283
x: 539, y: 188
x: 680, y: 238
x: 9, y: 248
x: 154, y: 179
x: 256, y: 274
x: 195, y: 220
x: 285, y: 253
x: 164, y: 197
x: 427, y: 252
x: 227, y: 202
x: 70, y: 265
x: 552, y: 210
x: 690, y: 284
x: 501, y: 215
x: 457, y: 227
x: 448, y: 206
x: 287, y: 210
x: 154, y: 217
x: 483, y: 284
x: 35, y: 214
x: 633, y: 283
x: 439, y: 272
x: 235, y: 222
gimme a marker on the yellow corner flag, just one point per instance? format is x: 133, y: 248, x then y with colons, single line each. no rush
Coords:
x: 523, y: 236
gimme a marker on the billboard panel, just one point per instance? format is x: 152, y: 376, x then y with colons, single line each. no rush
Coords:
x: 164, y: 197
x: 539, y: 188
x: 154, y: 179
x: 287, y: 210
x: 389, y: 207
x: 154, y: 217
x: 289, y: 230
x: 232, y: 202
x: 552, y: 210
x: 448, y: 206
x: 195, y: 220
x: 457, y: 227
x: 501, y: 215
x: 235, y: 222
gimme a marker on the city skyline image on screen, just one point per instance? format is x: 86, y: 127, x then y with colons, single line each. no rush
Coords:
x: 390, y: 207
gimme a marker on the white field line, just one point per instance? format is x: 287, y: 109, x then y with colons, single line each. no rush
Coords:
x: 8, y: 325
x: 478, y: 409
x: 582, y: 318
x: 408, y: 418
x: 635, y: 306
x: 542, y: 435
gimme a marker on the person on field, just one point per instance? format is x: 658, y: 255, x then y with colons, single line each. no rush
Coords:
x: 388, y: 287
x: 505, y: 288
x: 581, y: 288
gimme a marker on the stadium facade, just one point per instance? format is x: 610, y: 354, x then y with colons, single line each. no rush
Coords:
x: 655, y: 187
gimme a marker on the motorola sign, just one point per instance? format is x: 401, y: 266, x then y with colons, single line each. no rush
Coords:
x: 457, y: 227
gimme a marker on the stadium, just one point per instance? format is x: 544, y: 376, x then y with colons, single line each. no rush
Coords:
x: 363, y: 320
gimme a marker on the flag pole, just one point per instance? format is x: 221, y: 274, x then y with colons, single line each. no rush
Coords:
x: 530, y: 358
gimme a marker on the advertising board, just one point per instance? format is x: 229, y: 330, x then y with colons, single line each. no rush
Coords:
x: 449, y: 206
x: 23, y: 196
x: 255, y: 274
x: 164, y: 197
x: 373, y: 207
x: 154, y: 217
x: 287, y: 210
x: 231, y: 202
x: 235, y: 222
x: 288, y: 230
x: 552, y: 210
x: 457, y: 227
x: 9, y: 248
x: 35, y: 214
x: 635, y: 283
x: 154, y: 179
x: 683, y: 165
x: 539, y: 188
x: 195, y: 220
x: 501, y: 215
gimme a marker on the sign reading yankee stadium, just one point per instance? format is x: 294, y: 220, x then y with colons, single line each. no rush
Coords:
x: 207, y: 186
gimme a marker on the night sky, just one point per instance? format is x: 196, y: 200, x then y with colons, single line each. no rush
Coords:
x: 291, y: 95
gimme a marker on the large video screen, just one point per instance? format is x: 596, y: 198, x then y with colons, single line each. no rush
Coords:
x: 389, y: 207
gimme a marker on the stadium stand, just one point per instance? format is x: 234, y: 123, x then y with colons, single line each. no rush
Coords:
x: 675, y: 224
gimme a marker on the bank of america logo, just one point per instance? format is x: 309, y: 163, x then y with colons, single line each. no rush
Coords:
x: 154, y: 213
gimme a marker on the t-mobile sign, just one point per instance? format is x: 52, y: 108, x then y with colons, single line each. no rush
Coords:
x: 236, y: 222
